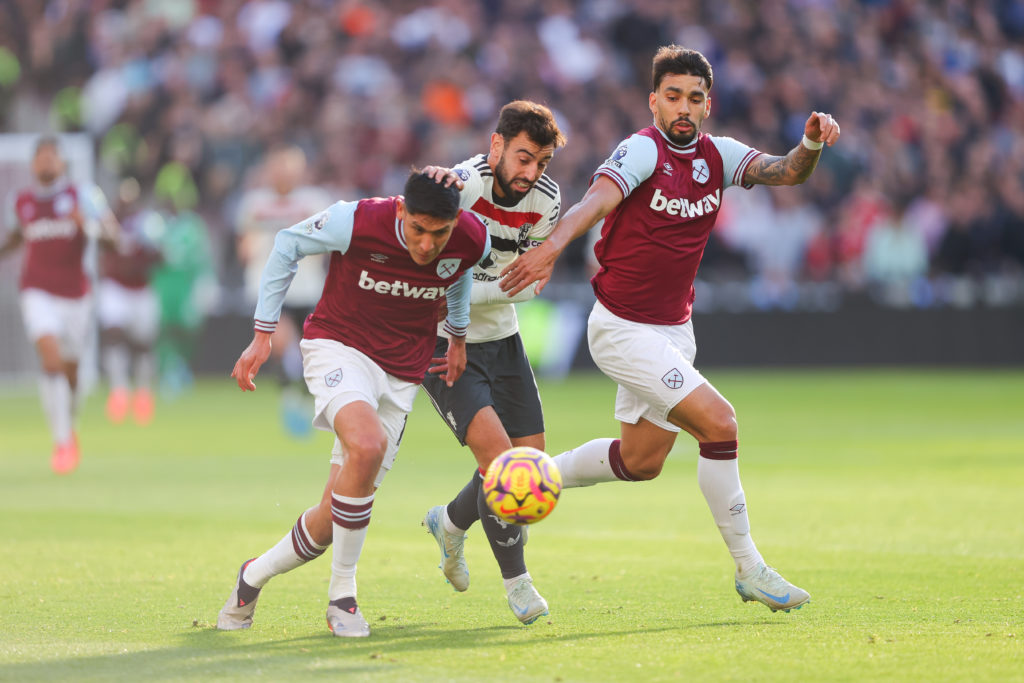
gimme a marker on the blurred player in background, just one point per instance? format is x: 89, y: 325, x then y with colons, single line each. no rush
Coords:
x: 659, y: 196
x: 281, y: 201
x: 185, y: 285
x: 55, y: 219
x: 128, y: 309
x: 495, y: 405
x: 365, y: 350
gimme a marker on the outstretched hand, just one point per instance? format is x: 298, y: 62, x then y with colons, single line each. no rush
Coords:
x: 821, y: 127
x: 535, y: 265
x: 251, y: 360
x: 453, y: 364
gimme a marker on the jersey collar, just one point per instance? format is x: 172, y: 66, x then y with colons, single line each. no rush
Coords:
x: 399, y: 232
x: 688, y: 151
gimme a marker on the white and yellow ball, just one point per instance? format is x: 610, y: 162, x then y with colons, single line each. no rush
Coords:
x: 522, y: 485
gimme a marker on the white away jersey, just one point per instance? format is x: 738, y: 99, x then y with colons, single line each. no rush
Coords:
x: 261, y: 214
x: 513, y: 230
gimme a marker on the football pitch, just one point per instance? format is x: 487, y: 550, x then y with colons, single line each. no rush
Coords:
x: 893, y: 496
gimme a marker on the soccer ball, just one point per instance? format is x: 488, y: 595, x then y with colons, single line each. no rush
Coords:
x: 522, y: 485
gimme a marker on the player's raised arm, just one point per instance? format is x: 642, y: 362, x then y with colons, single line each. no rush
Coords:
x: 796, y: 167
x: 537, y: 264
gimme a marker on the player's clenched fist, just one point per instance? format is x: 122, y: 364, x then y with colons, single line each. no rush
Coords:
x: 821, y: 127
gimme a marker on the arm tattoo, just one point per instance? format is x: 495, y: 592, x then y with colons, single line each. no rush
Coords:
x: 792, y: 169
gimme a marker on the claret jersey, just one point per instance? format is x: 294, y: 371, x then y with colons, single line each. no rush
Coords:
x: 514, y: 229
x: 53, y: 222
x: 652, y: 242
x: 376, y: 298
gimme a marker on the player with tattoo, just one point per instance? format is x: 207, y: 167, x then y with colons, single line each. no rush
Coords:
x: 659, y: 195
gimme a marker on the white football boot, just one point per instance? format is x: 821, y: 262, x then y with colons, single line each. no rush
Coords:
x: 525, y: 602
x: 345, y: 620
x: 453, y: 561
x: 238, y: 610
x: 765, y: 585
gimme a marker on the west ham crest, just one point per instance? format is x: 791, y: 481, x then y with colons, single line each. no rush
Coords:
x: 701, y: 172
x: 333, y: 378
x: 447, y: 267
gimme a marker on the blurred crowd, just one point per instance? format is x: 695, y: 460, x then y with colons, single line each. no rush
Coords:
x: 920, y: 204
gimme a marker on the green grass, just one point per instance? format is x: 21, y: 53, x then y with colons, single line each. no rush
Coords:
x: 893, y: 496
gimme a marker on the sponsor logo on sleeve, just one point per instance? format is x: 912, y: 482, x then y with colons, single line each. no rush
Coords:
x: 617, y: 155
x: 462, y: 173
x: 316, y: 223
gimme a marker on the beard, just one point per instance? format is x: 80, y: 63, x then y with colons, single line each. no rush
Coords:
x: 46, y: 177
x: 510, y: 192
x: 681, y: 139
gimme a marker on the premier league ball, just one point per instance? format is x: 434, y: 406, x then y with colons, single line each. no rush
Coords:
x: 522, y: 485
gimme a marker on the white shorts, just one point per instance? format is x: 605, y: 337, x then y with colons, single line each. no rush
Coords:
x: 136, y: 311
x: 652, y: 364
x: 338, y: 375
x: 66, y: 319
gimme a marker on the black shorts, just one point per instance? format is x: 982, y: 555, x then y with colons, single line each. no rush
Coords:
x: 497, y: 374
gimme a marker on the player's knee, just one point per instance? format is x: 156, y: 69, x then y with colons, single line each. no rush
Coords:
x: 52, y: 366
x: 645, y: 465
x: 318, y: 522
x: 366, y: 449
x: 647, y: 470
x: 721, y: 424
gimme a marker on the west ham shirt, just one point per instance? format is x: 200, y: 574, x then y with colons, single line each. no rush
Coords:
x: 652, y: 243
x: 376, y: 298
x: 54, y: 240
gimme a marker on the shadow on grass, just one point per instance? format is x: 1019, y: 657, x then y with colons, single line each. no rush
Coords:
x: 204, y: 652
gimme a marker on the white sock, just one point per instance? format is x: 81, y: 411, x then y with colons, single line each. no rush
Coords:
x: 56, y: 397
x: 719, y: 481
x: 449, y: 525
x: 351, y: 520
x: 586, y: 465
x: 509, y: 582
x: 294, y: 550
x: 117, y: 358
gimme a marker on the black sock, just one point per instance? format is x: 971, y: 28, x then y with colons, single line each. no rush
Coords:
x: 347, y: 603
x: 462, y: 510
x: 506, y: 540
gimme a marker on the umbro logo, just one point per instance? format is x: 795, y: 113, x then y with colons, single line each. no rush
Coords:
x: 378, y: 258
x: 667, y: 169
